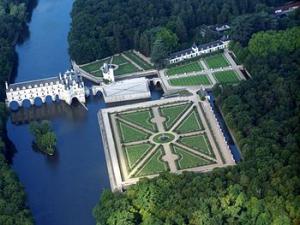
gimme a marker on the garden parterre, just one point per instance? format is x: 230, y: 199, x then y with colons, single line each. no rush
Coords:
x: 164, y: 135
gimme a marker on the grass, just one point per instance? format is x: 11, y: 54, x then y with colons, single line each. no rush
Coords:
x: 185, y: 68
x: 139, y: 61
x: 154, y: 165
x: 94, y: 66
x: 131, y: 134
x: 125, y: 69
x: 173, y: 113
x: 199, y: 143
x: 119, y: 59
x: 97, y: 73
x: 163, y: 138
x: 216, y: 61
x: 188, y: 159
x: 227, y: 77
x: 135, y: 153
x: 190, y: 81
x: 191, y: 123
x: 140, y: 118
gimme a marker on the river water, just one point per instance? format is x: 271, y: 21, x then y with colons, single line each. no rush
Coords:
x: 61, y: 190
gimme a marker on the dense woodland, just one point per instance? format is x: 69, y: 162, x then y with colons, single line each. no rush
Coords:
x: 101, y: 28
x: 13, y: 17
x: 263, y: 114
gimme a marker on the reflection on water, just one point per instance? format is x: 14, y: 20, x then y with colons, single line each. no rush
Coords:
x: 49, y: 111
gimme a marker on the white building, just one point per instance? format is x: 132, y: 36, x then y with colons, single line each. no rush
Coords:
x: 195, y: 51
x: 125, y: 90
x: 65, y: 87
x: 108, y: 72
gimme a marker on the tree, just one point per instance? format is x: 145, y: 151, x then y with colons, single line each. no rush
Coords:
x: 45, y: 139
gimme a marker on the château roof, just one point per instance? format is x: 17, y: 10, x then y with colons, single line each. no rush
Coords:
x: 200, y: 47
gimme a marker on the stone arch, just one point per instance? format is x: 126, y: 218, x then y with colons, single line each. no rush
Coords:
x: 99, y: 93
x: 38, y: 101
x: 49, y: 99
x: 26, y: 103
x: 74, y: 100
x: 157, y: 84
x: 14, y: 105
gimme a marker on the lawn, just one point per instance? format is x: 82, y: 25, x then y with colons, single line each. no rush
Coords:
x: 135, y: 153
x: 173, y: 113
x: 188, y: 159
x: 125, y: 69
x: 97, y: 73
x: 139, y: 61
x: 190, y: 81
x: 140, y: 118
x: 94, y: 66
x: 131, y: 134
x: 185, y: 68
x: 199, y: 143
x: 119, y: 60
x: 216, y: 61
x: 191, y: 123
x: 227, y: 77
x: 154, y: 165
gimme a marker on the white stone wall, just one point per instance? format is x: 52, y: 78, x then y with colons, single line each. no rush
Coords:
x: 60, y: 87
x: 199, y: 52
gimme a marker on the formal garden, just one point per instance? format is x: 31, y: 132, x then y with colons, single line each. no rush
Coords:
x: 190, y: 81
x: 216, y: 61
x: 125, y: 63
x: 227, y: 77
x: 150, y: 140
x: 215, y: 72
x: 187, y: 67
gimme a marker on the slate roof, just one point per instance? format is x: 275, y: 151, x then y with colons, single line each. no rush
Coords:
x: 32, y: 83
x: 200, y: 47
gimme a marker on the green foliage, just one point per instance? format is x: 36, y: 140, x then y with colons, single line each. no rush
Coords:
x: 263, y: 113
x: 102, y: 28
x: 45, y: 139
x: 13, y: 17
x: 264, y: 44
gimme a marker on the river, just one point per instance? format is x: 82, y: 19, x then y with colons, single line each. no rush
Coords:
x: 61, y: 190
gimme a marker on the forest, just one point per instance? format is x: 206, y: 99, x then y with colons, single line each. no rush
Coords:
x: 102, y: 28
x: 263, y: 114
x: 13, y: 17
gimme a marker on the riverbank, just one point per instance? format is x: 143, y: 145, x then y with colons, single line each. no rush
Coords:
x: 13, y: 31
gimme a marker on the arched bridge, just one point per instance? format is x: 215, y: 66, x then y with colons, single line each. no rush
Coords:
x: 65, y: 87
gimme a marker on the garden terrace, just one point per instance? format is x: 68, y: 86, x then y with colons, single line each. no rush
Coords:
x: 184, y: 68
x: 138, y: 60
x: 216, y: 61
x: 196, y: 80
x: 165, y: 135
x: 227, y: 77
